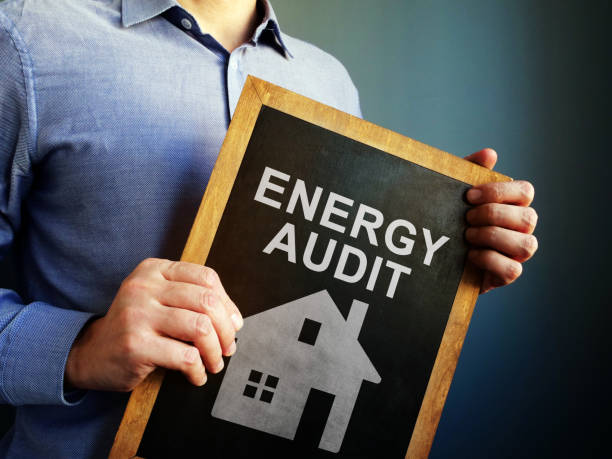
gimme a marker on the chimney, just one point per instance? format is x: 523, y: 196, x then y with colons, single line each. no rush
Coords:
x: 355, y: 317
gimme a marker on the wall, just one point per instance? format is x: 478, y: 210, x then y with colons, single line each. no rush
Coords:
x: 530, y: 79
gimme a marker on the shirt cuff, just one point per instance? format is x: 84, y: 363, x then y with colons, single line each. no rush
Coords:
x: 33, y: 363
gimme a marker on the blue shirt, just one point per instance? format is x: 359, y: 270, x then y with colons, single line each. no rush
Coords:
x: 112, y: 113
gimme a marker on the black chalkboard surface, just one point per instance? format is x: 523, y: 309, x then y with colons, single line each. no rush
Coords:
x: 346, y: 262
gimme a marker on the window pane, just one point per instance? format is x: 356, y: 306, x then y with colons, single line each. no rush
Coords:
x: 250, y: 391
x: 271, y: 381
x: 255, y: 376
x: 310, y: 331
x: 266, y: 396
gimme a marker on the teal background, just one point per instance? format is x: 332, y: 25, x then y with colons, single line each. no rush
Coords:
x: 530, y: 79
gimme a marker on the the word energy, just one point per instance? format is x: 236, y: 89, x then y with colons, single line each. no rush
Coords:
x: 337, y: 214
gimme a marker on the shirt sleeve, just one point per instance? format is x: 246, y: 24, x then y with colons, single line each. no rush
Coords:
x: 35, y: 338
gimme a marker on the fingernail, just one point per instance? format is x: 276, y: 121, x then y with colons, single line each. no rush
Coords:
x: 204, y: 379
x: 474, y: 195
x: 231, y: 349
x: 219, y: 366
x: 237, y: 320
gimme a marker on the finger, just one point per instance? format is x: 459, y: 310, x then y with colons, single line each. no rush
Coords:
x: 518, y: 246
x: 209, y: 346
x: 517, y: 218
x: 487, y: 157
x: 175, y: 355
x: 517, y: 192
x: 193, y: 327
x: 489, y: 282
x: 183, y: 295
x: 201, y: 300
x: 231, y: 308
x: 192, y: 273
x: 182, y: 271
x: 502, y: 268
x: 222, y: 323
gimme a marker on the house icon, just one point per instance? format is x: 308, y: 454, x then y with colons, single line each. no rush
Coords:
x: 285, y: 351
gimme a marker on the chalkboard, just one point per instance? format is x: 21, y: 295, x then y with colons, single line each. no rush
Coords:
x: 342, y: 244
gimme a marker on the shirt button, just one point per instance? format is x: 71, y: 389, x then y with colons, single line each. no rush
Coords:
x: 186, y: 23
x: 233, y: 65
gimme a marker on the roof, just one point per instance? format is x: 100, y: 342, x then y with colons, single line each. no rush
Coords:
x: 337, y: 355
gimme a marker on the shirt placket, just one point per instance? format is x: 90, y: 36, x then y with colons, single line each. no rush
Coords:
x: 236, y: 76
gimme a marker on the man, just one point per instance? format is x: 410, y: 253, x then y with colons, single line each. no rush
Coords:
x: 112, y: 113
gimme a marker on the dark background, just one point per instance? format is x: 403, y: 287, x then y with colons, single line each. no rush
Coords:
x: 531, y: 79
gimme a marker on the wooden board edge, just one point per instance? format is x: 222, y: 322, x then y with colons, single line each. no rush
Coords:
x: 136, y: 416
x: 140, y: 405
x: 375, y: 136
x: 445, y: 364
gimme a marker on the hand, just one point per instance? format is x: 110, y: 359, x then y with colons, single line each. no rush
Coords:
x: 501, y: 226
x: 166, y: 314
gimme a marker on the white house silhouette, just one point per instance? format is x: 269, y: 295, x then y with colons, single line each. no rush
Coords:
x: 285, y: 351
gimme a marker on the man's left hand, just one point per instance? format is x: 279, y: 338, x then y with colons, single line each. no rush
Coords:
x: 500, y: 226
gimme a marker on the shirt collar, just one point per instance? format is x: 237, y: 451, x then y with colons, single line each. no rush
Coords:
x: 136, y: 11
x: 270, y: 22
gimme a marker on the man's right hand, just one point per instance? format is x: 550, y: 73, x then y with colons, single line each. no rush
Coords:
x: 168, y: 314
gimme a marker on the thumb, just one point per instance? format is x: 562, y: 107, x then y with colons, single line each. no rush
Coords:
x: 487, y: 157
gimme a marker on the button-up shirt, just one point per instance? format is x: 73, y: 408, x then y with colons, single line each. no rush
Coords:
x: 112, y: 113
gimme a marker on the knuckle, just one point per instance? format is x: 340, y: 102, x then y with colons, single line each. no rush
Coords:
x: 530, y: 219
x: 148, y: 262
x: 527, y: 190
x: 129, y: 317
x: 173, y: 265
x: 530, y: 245
x: 189, y: 357
x: 130, y: 346
x: 491, y: 213
x: 527, y: 247
x: 524, y: 249
x: 203, y: 325
x: 496, y: 193
x: 203, y: 299
x: 209, y: 276
x: 210, y: 302
x: 491, y: 234
x: 134, y: 285
x: 513, y: 271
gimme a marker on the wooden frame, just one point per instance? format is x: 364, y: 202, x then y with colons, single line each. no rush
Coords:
x: 255, y: 94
